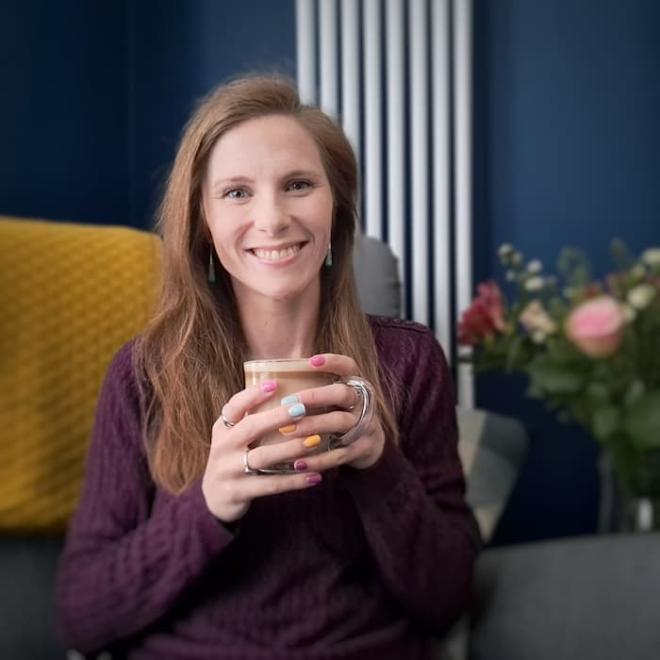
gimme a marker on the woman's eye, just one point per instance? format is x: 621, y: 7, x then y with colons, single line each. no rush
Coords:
x: 299, y: 186
x: 236, y: 193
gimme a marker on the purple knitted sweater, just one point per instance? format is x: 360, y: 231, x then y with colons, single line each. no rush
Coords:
x: 370, y: 563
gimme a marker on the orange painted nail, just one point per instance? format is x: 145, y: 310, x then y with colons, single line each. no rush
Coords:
x: 312, y: 441
x: 286, y: 430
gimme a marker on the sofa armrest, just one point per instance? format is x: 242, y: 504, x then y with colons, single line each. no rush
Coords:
x: 492, y: 448
x: 589, y: 597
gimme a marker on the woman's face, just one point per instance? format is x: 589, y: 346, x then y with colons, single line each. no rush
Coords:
x: 269, y: 207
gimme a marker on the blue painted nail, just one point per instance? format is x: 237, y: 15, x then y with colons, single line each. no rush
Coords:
x: 290, y: 400
x: 297, y: 410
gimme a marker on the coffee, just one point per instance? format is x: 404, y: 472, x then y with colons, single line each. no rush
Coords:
x: 292, y: 376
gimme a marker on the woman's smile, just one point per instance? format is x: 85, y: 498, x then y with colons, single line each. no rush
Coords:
x: 278, y: 255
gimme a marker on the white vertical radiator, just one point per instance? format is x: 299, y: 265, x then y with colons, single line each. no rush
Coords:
x: 397, y: 75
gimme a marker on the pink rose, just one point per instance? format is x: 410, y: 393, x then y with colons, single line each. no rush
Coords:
x: 596, y: 326
x: 484, y: 317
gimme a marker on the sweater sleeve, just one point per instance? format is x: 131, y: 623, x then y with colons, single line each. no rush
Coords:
x: 124, y: 566
x: 420, y: 530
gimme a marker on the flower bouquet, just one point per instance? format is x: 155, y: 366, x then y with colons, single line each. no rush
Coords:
x: 591, y: 350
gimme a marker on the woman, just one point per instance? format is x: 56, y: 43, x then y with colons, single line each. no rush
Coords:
x: 180, y: 548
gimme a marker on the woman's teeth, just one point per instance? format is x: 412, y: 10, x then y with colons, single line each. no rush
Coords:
x: 276, y: 255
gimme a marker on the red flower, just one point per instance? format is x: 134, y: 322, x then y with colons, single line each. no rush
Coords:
x: 485, y: 316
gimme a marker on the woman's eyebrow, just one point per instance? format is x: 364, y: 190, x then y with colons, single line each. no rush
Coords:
x: 221, y: 183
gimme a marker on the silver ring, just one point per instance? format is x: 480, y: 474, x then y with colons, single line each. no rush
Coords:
x: 366, y: 393
x: 246, y: 464
x: 226, y: 422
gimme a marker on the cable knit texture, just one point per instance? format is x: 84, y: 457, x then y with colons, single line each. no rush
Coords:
x: 369, y: 562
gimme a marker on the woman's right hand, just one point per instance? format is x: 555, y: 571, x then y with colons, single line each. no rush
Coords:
x: 227, y: 488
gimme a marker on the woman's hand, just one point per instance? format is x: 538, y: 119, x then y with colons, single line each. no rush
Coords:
x: 365, y: 450
x: 228, y: 489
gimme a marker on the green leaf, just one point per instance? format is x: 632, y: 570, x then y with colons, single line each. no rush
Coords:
x: 633, y: 393
x: 513, y: 352
x: 620, y: 255
x: 643, y: 421
x: 556, y: 378
x: 606, y: 422
x: 598, y: 393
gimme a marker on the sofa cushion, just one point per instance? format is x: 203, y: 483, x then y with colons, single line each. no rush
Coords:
x: 27, y: 603
x: 376, y: 276
x: 70, y: 296
x: 492, y: 448
x: 591, y: 597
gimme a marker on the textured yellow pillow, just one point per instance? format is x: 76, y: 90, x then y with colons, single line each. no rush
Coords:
x: 70, y: 296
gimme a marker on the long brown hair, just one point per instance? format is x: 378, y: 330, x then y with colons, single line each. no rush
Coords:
x: 192, y: 351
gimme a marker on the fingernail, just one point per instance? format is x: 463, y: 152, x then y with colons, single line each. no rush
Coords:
x: 317, y: 360
x: 301, y: 466
x: 312, y: 441
x: 288, y: 429
x: 290, y: 400
x: 297, y: 410
x: 313, y: 479
x: 269, y: 386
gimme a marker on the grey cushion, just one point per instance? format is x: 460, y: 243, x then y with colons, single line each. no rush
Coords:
x: 588, y: 598
x: 377, y: 277
x: 27, y: 604
x: 492, y: 448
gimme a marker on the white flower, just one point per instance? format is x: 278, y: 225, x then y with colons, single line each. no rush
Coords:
x: 638, y: 271
x: 505, y: 250
x: 534, y: 283
x: 534, y: 266
x: 510, y: 276
x: 535, y: 318
x: 639, y: 297
x: 516, y: 258
x: 538, y: 336
x: 629, y: 314
x: 651, y: 257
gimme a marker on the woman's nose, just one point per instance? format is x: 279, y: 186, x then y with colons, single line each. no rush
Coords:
x: 271, y: 217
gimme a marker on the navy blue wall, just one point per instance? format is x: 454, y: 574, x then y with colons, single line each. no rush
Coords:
x: 567, y: 151
x: 95, y: 94
x: 64, y: 110
x: 180, y: 51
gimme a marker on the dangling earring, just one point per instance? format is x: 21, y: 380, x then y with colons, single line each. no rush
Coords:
x: 211, y: 275
x: 328, y: 257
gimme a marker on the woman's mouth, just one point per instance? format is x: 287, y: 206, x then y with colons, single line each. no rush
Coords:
x: 275, y: 255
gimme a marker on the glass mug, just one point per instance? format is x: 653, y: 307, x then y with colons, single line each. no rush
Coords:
x: 294, y: 375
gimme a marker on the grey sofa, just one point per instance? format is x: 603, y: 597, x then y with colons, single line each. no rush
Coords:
x: 579, y: 598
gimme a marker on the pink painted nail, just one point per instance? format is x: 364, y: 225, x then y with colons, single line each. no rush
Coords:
x: 269, y: 386
x: 301, y: 466
x: 317, y: 360
x: 313, y: 479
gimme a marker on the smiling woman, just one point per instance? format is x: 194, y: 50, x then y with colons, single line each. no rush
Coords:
x: 189, y: 540
x: 268, y: 205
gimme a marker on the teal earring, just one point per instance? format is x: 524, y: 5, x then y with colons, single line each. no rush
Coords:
x: 328, y: 257
x: 211, y: 275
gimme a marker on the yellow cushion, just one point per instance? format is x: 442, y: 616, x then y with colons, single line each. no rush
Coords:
x: 70, y: 296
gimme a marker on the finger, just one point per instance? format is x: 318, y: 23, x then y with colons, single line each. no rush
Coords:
x: 327, y: 460
x: 262, y: 485
x: 338, y: 395
x: 342, y: 365
x: 287, y: 451
x: 254, y: 426
x: 242, y: 402
x: 336, y: 421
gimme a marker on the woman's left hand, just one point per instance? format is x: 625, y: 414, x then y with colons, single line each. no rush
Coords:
x: 366, y: 449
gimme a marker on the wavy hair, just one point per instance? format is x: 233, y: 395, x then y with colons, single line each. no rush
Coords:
x: 194, y: 342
